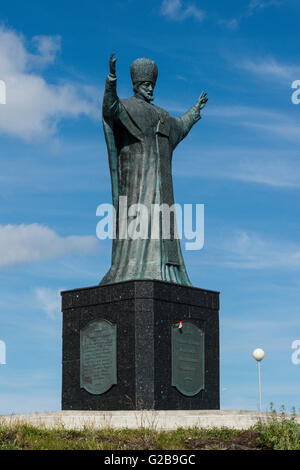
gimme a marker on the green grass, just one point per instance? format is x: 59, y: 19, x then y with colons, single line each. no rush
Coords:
x: 28, y: 437
x: 280, y: 433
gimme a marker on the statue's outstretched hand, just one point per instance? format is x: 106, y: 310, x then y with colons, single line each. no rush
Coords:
x: 112, y: 64
x: 202, y: 100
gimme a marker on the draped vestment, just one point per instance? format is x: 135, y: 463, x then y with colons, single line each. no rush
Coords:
x: 141, y: 138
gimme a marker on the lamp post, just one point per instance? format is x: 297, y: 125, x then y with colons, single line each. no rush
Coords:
x: 258, y: 355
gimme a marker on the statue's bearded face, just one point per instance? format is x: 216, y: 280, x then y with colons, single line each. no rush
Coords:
x: 144, y: 90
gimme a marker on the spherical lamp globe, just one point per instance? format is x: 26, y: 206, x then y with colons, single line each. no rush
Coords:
x: 258, y: 354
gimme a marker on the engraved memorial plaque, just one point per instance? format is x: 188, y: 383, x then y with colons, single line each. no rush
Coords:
x: 188, y: 364
x: 98, y: 356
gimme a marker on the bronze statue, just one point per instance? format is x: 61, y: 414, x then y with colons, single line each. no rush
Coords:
x: 141, y: 138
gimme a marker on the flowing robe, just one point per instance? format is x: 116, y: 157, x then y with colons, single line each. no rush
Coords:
x: 140, y: 139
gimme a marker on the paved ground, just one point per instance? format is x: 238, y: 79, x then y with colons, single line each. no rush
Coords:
x: 160, y: 420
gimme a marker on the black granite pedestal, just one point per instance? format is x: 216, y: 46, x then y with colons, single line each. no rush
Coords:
x: 143, y: 314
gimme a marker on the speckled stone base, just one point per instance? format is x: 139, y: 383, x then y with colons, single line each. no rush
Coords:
x: 144, y: 312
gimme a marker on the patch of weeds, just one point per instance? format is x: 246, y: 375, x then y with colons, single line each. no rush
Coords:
x: 281, y: 433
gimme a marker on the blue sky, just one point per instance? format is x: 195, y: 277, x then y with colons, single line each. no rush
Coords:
x: 241, y: 160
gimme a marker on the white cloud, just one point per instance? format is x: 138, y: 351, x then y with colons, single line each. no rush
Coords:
x: 34, y: 106
x: 271, y: 159
x: 176, y: 11
x: 232, y: 24
x: 271, y: 69
x: 279, y: 124
x: 272, y: 167
x: 47, y: 48
x: 171, y: 8
x: 49, y: 300
x: 32, y: 243
x: 249, y: 250
x: 253, y: 7
x: 257, y: 5
x: 238, y: 112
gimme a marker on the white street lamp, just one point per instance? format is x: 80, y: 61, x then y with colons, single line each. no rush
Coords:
x: 258, y: 355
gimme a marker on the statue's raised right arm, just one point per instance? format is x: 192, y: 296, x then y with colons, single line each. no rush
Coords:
x: 110, y: 100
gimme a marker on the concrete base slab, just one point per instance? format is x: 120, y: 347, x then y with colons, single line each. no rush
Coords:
x: 153, y: 419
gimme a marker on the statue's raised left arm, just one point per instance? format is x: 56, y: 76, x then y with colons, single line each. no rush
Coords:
x: 183, y: 124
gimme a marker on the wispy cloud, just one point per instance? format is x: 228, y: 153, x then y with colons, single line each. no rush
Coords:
x: 177, y: 10
x: 35, y: 242
x: 271, y: 159
x: 231, y: 24
x: 281, y: 125
x: 258, y: 5
x: 49, y: 300
x: 250, y: 250
x: 34, y: 106
x: 253, y: 7
x: 278, y: 124
x: 269, y: 68
x: 47, y: 48
x: 268, y: 166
